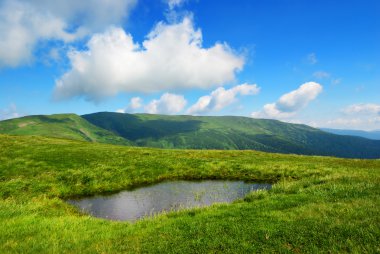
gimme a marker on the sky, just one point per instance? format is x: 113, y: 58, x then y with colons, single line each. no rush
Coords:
x: 298, y: 61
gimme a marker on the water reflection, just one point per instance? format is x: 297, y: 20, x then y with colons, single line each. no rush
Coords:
x: 166, y: 196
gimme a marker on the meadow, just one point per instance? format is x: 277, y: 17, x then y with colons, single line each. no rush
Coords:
x: 316, y: 205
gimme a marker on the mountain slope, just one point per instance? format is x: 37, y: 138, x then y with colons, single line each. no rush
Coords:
x: 230, y: 132
x: 364, y: 134
x: 68, y: 126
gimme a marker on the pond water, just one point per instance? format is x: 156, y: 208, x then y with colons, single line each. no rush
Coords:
x: 145, y: 201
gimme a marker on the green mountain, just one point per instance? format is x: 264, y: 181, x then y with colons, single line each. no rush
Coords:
x: 68, y: 126
x: 232, y: 132
x: 194, y: 132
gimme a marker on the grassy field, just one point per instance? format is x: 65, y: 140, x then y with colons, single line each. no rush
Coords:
x: 317, y: 204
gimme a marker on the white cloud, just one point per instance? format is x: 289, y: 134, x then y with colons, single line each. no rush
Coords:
x: 312, y: 58
x: 353, y: 123
x: 220, y: 98
x: 171, y: 58
x: 10, y: 112
x: 21, y: 26
x: 24, y: 23
x: 321, y: 74
x: 175, y: 3
x: 290, y: 103
x: 361, y: 116
x: 92, y: 15
x: 134, y: 104
x: 167, y: 104
x: 363, y: 108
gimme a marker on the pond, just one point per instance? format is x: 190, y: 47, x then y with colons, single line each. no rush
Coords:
x: 167, y: 196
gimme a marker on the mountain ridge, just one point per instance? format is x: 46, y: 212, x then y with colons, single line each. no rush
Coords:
x: 231, y: 132
x: 194, y: 132
x: 68, y: 126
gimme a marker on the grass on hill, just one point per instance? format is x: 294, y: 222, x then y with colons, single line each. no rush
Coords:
x: 316, y: 205
x: 69, y: 126
x: 232, y: 133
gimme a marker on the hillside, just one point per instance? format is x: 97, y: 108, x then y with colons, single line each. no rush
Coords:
x: 194, y: 132
x: 364, y: 134
x: 316, y: 204
x: 231, y: 132
x: 68, y: 126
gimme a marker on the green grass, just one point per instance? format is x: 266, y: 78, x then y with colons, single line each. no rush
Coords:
x: 316, y: 205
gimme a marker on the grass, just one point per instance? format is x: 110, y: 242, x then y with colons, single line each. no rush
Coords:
x: 68, y: 126
x: 317, y: 204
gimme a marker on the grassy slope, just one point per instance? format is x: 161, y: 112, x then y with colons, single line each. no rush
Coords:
x: 229, y: 132
x: 69, y: 126
x: 319, y: 204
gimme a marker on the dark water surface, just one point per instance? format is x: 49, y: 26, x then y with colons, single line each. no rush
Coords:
x: 134, y: 204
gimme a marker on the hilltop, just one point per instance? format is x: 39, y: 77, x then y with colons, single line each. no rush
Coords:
x: 67, y: 126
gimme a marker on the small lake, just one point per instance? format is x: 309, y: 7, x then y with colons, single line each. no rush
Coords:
x: 167, y: 196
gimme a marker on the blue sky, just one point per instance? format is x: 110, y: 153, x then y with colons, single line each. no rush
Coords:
x: 312, y: 62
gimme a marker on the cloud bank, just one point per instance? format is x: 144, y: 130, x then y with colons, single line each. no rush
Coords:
x: 363, y: 108
x: 171, y: 58
x: 220, y: 98
x: 364, y: 116
x: 25, y: 23
x: 290, y: 103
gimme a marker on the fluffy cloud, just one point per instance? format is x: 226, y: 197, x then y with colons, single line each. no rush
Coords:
x: 289, y: 104
x: 10, y: 112
x: 20, y: 28
x: 167, y: 104
x: 23, y: 23
x: 363, y: 108
x: 135, y: 103
x: 221, y: 98
x: 171, y: 58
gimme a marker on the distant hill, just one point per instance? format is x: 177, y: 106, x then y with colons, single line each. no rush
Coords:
x: 232, y: 132
x: 365, y: 134
x: 68, y: 126
x: 194, y: 132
